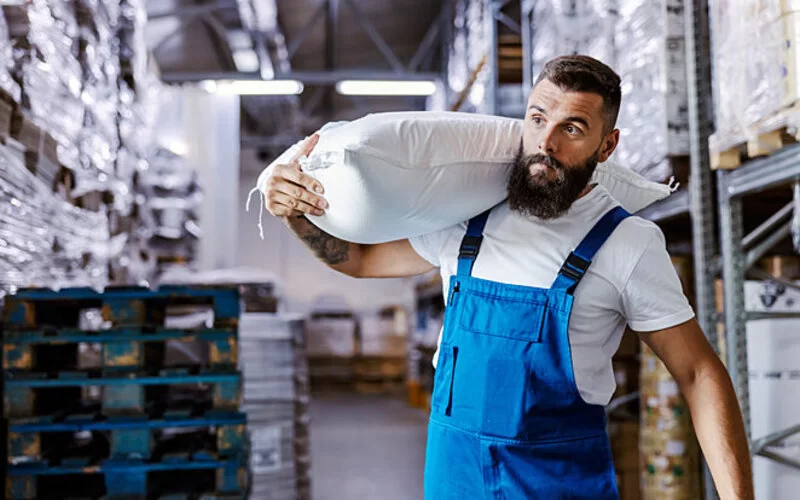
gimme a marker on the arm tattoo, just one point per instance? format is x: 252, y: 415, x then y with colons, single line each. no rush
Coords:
x: 329, y: 249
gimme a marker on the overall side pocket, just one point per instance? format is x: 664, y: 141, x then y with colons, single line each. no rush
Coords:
x: 442, y: 397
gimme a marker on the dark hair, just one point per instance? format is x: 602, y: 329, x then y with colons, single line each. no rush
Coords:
x: 580, y: 73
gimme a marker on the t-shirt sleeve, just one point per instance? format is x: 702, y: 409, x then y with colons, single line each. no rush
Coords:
x: 653, y: 297
x: 429, y: 246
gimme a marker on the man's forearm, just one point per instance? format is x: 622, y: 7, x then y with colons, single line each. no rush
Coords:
x: 337, y: 254
x: 720, y: 431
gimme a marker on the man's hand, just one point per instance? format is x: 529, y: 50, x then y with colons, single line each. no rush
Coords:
x: 290, y: 192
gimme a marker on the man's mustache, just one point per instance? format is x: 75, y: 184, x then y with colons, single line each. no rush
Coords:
x: 543, y: 159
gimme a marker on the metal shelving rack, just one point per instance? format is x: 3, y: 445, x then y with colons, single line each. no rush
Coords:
x: 739, y: 253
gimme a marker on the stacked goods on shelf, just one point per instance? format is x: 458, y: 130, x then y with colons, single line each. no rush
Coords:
x: 669, y: 448
x: 430, y: 315
x: 276, y: 398
x: 643, y: 41
x: 123, y: 392
x: 654, y: 115
x: 83, y: 128
x: 48, y: 69
x: 45, y: 239
x: 773, y: 351
x: 381, y: 364
x: 332, y: 333
x: 573, y: 28
x: 755, y: 103
x: 623, y: 426
x: 170, y: 210
x: 138, y: 109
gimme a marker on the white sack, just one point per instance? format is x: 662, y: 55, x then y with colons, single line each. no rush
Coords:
x: 390, y: 176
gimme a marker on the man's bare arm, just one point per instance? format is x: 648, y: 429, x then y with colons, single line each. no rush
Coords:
x: 291, y: 194
x: 712, y: 402
x: 386, y: 260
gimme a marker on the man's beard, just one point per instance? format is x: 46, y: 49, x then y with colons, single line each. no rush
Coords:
x: 539, y: 196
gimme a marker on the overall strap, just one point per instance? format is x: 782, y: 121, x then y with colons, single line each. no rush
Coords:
x: 471, y: 243
x: 579, y: 260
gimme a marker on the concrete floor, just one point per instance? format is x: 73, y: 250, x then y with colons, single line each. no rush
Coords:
x: 366, y: 447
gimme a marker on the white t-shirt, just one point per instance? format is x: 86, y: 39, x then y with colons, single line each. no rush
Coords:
x: 631, y: 279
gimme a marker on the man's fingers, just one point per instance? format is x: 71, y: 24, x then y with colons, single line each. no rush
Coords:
x: 306, y: 147
x: 286, y: 205
x: 292, y: 173
x: 297, y: 192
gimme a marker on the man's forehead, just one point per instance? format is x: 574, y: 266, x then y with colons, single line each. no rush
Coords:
x: 552, y: 99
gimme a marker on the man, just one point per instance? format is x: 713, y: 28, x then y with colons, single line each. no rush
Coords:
x: 539, y: 292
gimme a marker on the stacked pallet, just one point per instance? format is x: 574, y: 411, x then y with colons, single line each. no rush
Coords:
x: 106, y: 395
x: 276, y: 399
x: 755, y: 103
x: 668, y: 446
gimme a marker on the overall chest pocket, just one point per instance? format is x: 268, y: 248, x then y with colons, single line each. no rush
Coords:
x: 508, y: 318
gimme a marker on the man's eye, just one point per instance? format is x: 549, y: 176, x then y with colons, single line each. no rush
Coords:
x: 571, y: 129
x: 537, y: 120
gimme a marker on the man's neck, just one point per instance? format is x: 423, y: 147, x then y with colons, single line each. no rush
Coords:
x: 587, y: 190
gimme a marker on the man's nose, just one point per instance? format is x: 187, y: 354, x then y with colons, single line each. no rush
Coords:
x: 547, y: 143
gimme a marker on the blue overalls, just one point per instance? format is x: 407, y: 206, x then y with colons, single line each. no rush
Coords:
x: 507, y: 421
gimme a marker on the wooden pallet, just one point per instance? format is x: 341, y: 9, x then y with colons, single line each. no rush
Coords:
x: 87, y: 440
x: 41, y: 308
x: 774, y: 133
x: 119, y: 348
x: 37, y: 394
x: 201, y: 476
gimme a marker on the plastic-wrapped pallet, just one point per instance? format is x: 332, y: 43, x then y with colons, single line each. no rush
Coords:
x: 276, y: 396
x: 667, y: 443
x: 644, y: 42
x: 651, y: 61
x: 754, y: 98
x: 573, y: 27
x: 44, y: 35
x: 46, y: 241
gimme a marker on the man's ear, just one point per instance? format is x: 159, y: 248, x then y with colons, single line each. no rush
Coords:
x: 609, y: 145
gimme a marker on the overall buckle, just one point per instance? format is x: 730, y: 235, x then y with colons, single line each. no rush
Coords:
x: 574, y: 267
x: 469, y: 247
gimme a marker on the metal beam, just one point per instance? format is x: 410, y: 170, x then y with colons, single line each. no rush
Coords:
x: 781, y: 167
x: 674, y: 205
x: 765, y: 246
x: 767, y: 226
x: 307, y: 28
x: 733, y: 275
x: 193, y: 10
x: 375, y: 36
x: 508, y: 22
x: 309, y: 77
x: 426, y: 45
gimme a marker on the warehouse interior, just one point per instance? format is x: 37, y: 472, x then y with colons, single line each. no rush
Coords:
x: 164, y: 336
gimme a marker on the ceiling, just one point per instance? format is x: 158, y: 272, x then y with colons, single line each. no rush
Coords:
x: 319, y: 41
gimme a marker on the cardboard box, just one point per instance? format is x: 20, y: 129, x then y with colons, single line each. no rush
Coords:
x: 335, y: 336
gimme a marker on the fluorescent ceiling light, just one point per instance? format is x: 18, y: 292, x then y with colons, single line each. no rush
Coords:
x: 253, y: 87
x: 386, y: 87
